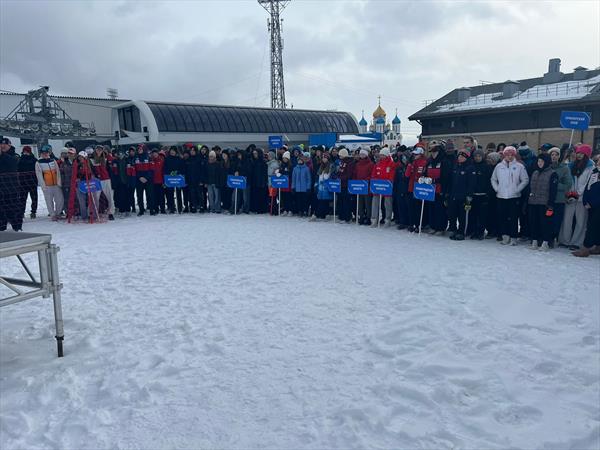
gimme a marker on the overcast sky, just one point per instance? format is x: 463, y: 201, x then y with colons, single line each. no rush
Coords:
x: 337, y: 54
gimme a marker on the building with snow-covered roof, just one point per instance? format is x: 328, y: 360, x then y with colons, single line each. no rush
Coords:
x: 514, y: 111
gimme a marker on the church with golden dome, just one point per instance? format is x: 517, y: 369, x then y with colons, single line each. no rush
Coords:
x: 379, y: 124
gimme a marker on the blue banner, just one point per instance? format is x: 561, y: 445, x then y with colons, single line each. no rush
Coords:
x: 424, y: 192
x: 174, y: 181
x: 93, y: 185
x: 235, y: 182
x: 575, y: 120
x: 333, y: 186
x: 381, y: 187
x: 358, y: 187
x: 281, y: 182
x: 275, y: 142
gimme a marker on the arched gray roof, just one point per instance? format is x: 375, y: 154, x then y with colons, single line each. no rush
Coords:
x: 190, y: 118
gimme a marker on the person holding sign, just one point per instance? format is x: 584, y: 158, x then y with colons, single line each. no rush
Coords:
x: 285, y: 169
x: 323, y: 195
x: 385, y: 169
x: 88, y: 201
x: 174, y: 166
x: 461, y: 195
x: 301, y: 180
x: 414, y: 171
x: 345, y: 172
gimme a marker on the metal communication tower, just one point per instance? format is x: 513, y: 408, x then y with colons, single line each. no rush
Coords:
x: 274, y: 8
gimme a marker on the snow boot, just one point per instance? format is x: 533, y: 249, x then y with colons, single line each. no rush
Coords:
x: 595, y: 250
x: 544, y: 247
x: 111, y: 217
x: 32, y: 215
x: 388, y: 224
x: 505, y: 239
x: 459, y: 237
x: 582, y: 252
x: 534, y: 245
x: 513, y: 242
x: 313, y: 218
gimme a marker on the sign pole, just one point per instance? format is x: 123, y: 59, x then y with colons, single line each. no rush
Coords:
x: 379, y: 211
x: 421, y: 219
x: 334, y: 207
x: 571, y: 140
x: 236, y: 192
x: 279, y: 197
x: 357, y: 210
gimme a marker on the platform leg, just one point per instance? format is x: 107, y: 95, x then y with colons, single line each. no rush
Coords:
x: 56, y: 287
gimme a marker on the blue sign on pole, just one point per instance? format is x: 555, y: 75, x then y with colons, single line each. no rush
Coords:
x: 174, y: 181
x: 93, y: 185
x: 235, y: 182
x: 281, y: 182
x: 275, y: 142
x: 358, y: 187
x: 381, y: 187
x: 425, y: 192
x: 333, y: 185
x: 575, y: 120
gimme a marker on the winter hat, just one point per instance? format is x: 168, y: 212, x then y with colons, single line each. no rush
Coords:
x: 344, y: 153
x: 585, y: 149
x: 272, y: 154
x: 546, y: 158
x: 5, y: 140
x: 89, y: 150
x: 286, y: 155
x: 363, y: 153
x: 212, y: 154
x: 417, y: 151
x: 491, y: 146
x: 510, y: 150
x: 554, y: 149
x: 82, y: 154
x: 306, y: 154
x: 188, y: 145
x: 546, y: 147
x: 478, y: 153
x: 495, y: 157
x: 46, y: 148
x: 385, y: 151
x: 26, y: 149
x: 464, y: 152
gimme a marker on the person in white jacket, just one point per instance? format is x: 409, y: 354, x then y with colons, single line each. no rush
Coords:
x: 508, y: 180
x: 47, y: 172
x: 581, y: 169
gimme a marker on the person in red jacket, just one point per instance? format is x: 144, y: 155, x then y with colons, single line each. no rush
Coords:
x: 362, y: 171
x: 435, y: 211
x: 158, y: 199
x: 100, y: 167
x: 414, y: 171
x: 385, y: 169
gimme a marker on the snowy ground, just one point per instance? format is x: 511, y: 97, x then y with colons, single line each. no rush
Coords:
x: 260, y: 332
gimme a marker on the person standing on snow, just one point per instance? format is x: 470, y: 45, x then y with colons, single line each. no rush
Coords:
x: 285, y: 168
x: 385, y: 169
x: 28, y: 184
x: 301, y: 181
x: 414, y: 171
x: 478, y: 214
x: 100, y: 167
x: 436, y: 211
x: 345, y: 173
x: 10, y: 201
x: 542, y: 187
x: 508, y: 181
x: 565, y: 182
x: 362, y: 171
x: 324, y: 172
x: 143, y: 174
x: 48, y: 175
x: 460, y: 195
x: 581, y: 170
x: 591, y: 202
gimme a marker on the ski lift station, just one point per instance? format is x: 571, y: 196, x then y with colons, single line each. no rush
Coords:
x: 129, y: 122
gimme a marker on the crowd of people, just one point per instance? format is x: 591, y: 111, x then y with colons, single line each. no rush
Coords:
x: 505, y: 192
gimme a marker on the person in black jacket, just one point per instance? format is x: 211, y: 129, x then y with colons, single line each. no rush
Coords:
x: 215, y: 178
x: 28, y: 185
x: 174, y: 165
x: 10, y: 203
x: 401, y: 196
x: 483, y: 186
x: 460, y: 194
x: 243, y: 168
x: 258, y: 182
x: 226, y: 191
x: 193, y: 169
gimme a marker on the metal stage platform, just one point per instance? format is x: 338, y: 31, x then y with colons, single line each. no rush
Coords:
x: 48, y: 282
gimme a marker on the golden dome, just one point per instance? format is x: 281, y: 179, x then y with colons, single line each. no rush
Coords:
x: 379, y: 112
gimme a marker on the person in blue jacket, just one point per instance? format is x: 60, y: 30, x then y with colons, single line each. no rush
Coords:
x: 591, y: 202
x: 301, y: 180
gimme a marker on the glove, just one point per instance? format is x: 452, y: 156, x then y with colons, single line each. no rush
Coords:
x: 469, y: 199
x: 571, y: 200
x: 143, y: 180
x: 549, y: 212
x: 467, y: 206
x: 173, y: 173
